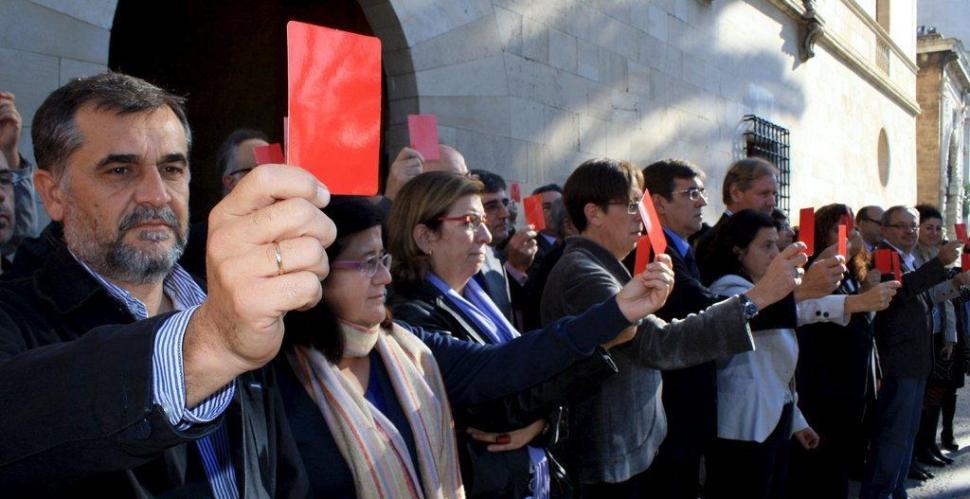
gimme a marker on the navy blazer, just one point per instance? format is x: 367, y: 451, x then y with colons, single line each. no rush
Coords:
x: 79, y: 416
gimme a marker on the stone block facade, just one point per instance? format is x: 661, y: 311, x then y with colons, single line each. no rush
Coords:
x: 531, y: 89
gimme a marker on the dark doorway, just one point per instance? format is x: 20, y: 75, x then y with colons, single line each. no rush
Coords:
x: 227, y: 57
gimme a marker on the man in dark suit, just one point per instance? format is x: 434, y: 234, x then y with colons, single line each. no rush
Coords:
x: 120, y: 376
x: 509, y: 255
x: 689, y: 394
x: 903, y: 340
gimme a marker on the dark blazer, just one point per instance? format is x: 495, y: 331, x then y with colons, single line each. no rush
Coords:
x: 78, y: 413
x: 689, y: 394
x: 423, y: 305
x: 836, y: 362
x: 615, y: 434
x: 703, y: 239
x: 903, y: 331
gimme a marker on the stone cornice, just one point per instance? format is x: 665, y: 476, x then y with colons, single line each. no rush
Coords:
x: 813, y: 30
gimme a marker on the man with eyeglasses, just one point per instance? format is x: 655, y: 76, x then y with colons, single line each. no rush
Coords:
x: 690, y: 394
x: 903, y: 340
x: 869, y: 222
x: 510, y: 253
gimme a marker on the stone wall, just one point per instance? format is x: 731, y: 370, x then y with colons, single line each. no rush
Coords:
x: 531, y: 89
x: 550, y: 84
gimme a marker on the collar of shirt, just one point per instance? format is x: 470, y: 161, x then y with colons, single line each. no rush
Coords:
x: 550, y: 239
x: 679, y: 242
x: 728, y: 212
x: 179, y: 286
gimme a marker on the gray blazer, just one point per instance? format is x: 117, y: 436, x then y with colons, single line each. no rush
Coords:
x: 615, y: 434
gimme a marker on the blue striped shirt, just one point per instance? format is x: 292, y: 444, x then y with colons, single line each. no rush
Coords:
x: 168, y: 380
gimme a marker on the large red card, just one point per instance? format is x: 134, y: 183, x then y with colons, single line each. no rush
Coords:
x: 897, y: 273
x: 269, y: 155
x: 643, y: 254
x: 334, y: 106
x: 806, y: 229
x: 843, y: 241
x: 961, y: 232
x: 423, y: 130
x: 884, y: 261
x: 515, y: 192
x: 651, y: 223
x: 533, y: 211
x: 964, y: 262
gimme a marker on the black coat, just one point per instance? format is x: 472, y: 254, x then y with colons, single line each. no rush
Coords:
x: 835, y: 363
x: 78, y: 415
x: 507, y: 473
x: 903, y: 331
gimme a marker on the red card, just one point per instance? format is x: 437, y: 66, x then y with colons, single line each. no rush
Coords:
x: 961, y: 232
x: 334, y: 106
x: 849, y: 223
x: 884, y: 261
x: 651, y: 223
x: 806, y: 229
x: 843, y: 241
x: 533, y: 211
x: 964, y: 262
x: 423, y: 130
x: 271, y: 154
x: 897, y: 273
x: 643, y: 254
x: 515, y: 192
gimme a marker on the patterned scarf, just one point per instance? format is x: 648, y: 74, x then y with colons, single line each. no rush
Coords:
x: 373, y: 448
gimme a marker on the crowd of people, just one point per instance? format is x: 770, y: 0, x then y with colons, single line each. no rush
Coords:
x: 425, y: 343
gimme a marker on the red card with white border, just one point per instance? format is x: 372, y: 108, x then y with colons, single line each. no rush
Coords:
x: 334, y: 106
x: 806, y: 229
x: 533, y: 211
x: 423, y: 131
x: 269, y: 155
x: 515, y: 192
x: 651, y: 223
x: 961, y: 230
x: 843, y: 241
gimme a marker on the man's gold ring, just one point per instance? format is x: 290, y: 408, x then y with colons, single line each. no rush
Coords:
x: 279, y: 259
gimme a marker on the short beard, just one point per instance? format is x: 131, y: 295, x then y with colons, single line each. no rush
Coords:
x: 118, y: 261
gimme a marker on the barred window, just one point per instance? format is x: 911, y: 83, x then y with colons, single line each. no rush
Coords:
x: 767, y: 140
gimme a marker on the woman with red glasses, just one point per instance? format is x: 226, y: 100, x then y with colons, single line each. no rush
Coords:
x: 437, y: 234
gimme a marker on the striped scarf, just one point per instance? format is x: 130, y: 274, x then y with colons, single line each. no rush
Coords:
x: 373, y: 448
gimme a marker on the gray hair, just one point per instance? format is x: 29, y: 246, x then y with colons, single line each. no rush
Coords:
x: 54, y: 130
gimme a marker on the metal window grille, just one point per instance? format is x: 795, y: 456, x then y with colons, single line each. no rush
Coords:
x: 767, y: 140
